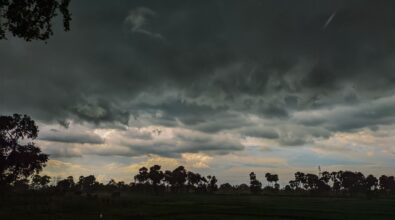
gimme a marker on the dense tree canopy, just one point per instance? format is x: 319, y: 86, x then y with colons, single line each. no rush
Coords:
x: 255, y: 184
x: 19, y: 159
x: 32, y: 19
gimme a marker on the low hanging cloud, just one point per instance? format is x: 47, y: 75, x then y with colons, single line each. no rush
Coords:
x: 345, y: 117
x: 172, y: 142
x: 74, y: 135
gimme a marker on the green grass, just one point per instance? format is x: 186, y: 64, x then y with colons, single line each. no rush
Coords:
x: 190, y: 206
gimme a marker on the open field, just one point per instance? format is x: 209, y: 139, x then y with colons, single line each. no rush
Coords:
x: 137, y: 206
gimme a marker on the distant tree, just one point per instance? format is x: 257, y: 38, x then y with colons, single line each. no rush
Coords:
x: 387, y: 183
x: 311, y: 181
x: 40, y: 182
x: 371, y: 182
x: 288, y: 188
x: 277, y: 186
x: 202, y: 185
x: 180, y: 176
x: 66, y: 184
x: 199, y: 183
x: 352, y: 181
x: 255, y: 185
x: 271, y: 178
x: 293, y: 184
x: 300, y: 180
x: 88, y: 183
x: 19, y: 157
x: 212, y: 183
x: 169, y: 179
x: 32, y: 19
x: 143, y: 176
x: 336, y: 182
x: 111, y: 185
x: 226, y: 188
x: 325, y: 177
x: 242, y: 188
x: 156, y: 176
x: 323, y: 182
x: 121, y: 185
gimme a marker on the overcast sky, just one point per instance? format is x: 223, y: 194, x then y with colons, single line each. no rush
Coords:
x: 222, y: 87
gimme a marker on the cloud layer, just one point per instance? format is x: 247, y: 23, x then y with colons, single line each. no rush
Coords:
x: 214, y: 78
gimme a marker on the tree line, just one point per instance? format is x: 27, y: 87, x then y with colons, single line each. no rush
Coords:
x: 21, y: 161
x: 156, y: 181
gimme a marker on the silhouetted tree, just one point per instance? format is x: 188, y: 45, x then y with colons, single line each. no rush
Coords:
x: 180, y: 176
x: 32, y: 19
x: 40, y: 182
x: 351, y: 181
x: 288, y: 188
x: 311, y: 181
x: 202, y: 185
x: 212, y: 183
x: 88, y: 183
x: 293, y: 184
x: 271, y: 178
x: 18, y: 160
x: 255, y: 185
x: 66, y: 184
x: 193, y: 180
x: 111, y: 185
x: 387, y: 183
x: 121, y: 185
x: 336, y: 182
x: 323, y: 182
x: 243, y: 188
x: 169, y: 179
x: 371, y: 182
x: 156, y: 176
x: 143, y: 176
x: 325, y: 177
x: 226, y: 188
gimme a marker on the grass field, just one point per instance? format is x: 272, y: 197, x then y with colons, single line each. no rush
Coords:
x: 137, y: 206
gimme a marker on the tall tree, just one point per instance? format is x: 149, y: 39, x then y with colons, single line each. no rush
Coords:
x: 32, y: 19
x: 66, y: 184
x: 193, y: 179
x: 180, y: 176
x: 212, y: 183
x: 271, y: 178
x: 387, y: 183
x: 142, y: 176
x: 156, y: 176
x: 255, y: 185
x: 88, y: 183
x: 371, y: 182
x: 19, y: 157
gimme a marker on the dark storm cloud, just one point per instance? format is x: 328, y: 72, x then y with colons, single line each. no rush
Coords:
x: 346, y: 118
x: 80, y: 139
x: 260, y: 132
x: 185, y: 143
x: 218, y: 61
x: 102, y: 111
x: 72, y: 137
